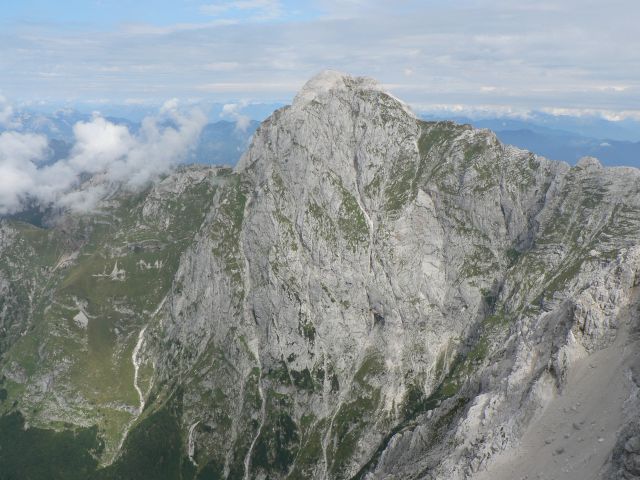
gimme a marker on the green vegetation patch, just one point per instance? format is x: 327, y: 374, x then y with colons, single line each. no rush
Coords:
x: 307, y: 329
x: 120, y: 263
x: 354, y: 416
x: 349, y: 424
x: 35, y: 453
x: 325, y: 227
x: 226, y: 227
x: 351, y: 219
x: 401, y: 187
x: 513, y: 255
x: 153, y: 449
x: 279, y: 439
x: 310, y: 453
x: 248, y: 424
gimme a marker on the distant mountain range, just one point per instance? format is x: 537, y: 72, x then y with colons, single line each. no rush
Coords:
x: 222, y: 143
x: 565, y: 138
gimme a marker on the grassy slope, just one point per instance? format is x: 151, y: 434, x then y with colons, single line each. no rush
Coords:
x: 94, y: 363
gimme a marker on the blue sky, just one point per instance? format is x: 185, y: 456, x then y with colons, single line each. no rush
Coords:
x: 510, y: 56
x: 105, y: 14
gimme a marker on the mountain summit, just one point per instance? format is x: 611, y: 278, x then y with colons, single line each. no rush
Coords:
x: 366, y: 296
x: 330, y: 80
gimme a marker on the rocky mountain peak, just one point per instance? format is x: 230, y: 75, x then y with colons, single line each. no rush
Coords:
x: 589, y: 163
x: 331, y: 81
x: 338, y: 125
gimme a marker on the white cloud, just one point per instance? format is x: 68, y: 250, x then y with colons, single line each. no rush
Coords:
x: 260, y: 9
x: 20, y: 147
x: 243, y: 122
x: 221, y: 66
x: 20, y: 154
x: 170, y: 106
x: 134, y: 101
x: 109, y: 152
x: 538, y: 53
x: 474, y: 111
x: 232, y: 111
x: 612, y: 88
x: 501, y: 111
x: 252, y: 87
x: 610, y: 115
x: 144, y: 29
x: 7, y: 119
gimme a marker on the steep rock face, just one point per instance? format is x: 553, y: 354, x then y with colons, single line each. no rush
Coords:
x: 382, y: 261
x: 572, y: 293
x: 367, y: 296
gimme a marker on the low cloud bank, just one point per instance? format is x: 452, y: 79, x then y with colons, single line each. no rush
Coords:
x: 101, y: 148
x: 6, y: 113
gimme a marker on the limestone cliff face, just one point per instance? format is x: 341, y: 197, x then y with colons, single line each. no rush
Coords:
x: 373, y: 296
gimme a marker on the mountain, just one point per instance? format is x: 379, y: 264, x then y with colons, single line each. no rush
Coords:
x: 583, y: 126
x: 544, y: 135
x: 573, y: 147
x: 366, y: 295
x: 222, y: 143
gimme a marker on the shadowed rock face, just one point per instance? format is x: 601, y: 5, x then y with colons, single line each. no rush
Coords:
x: 366, y: 296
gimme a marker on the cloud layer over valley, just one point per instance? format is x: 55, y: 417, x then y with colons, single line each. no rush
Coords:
x: 102, y: 149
